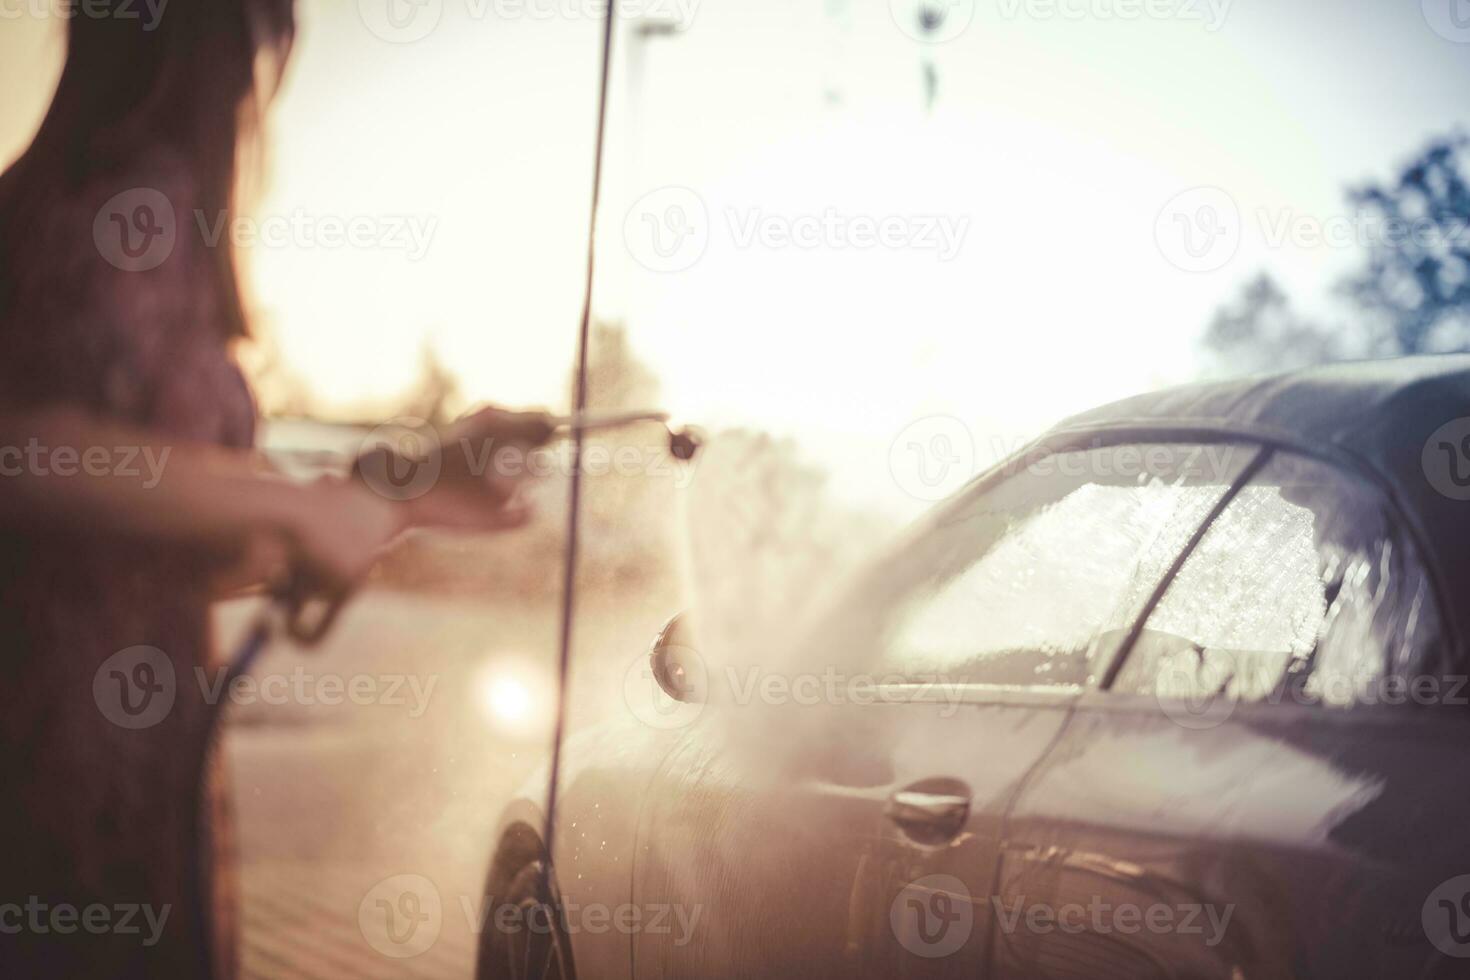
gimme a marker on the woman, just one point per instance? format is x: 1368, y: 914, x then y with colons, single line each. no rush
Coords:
x: 117, y: 338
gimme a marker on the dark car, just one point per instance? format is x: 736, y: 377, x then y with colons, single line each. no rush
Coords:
x: 1178, y: 691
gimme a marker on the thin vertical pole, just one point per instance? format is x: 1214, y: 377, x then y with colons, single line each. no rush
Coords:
x: 574, y: 506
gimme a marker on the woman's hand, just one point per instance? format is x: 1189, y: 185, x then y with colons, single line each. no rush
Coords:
x: 219, y: 500
x: 337, y: 532
x: 472, y: 472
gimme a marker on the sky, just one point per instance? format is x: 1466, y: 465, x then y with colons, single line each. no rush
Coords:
x: 798, y: 238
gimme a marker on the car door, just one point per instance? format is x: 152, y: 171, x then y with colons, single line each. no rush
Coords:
x: 1273, y: 784
x: 857, y: 827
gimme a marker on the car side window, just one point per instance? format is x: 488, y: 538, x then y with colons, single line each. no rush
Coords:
x: 1027, y: 582
x: 1303, y: 589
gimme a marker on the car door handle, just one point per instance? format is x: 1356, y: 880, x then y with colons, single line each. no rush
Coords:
x: 930, y: 816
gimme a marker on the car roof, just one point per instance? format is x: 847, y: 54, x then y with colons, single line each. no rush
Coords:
x: 1378, y: 416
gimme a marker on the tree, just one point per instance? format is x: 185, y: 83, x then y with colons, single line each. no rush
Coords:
x: 435, y: 395
x: 1412, y: 296
x: 1261, y: 332
x: 617, y: 380
x: 1418, y: 275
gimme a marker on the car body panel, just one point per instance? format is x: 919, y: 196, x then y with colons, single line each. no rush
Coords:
x: 1309, y: 839
x: 608, y: 769
x: 1324, y: 832
x: 784, y: 843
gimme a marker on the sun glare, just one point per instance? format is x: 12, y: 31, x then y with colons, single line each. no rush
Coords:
x: 506, y: 699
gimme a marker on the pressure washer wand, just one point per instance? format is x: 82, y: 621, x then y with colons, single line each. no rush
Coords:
x: 684, y: 441
x: 307, y: 617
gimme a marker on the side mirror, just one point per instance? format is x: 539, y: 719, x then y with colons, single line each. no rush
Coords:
x: 676, y: 663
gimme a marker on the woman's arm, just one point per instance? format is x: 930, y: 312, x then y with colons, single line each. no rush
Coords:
x: 64, y: 469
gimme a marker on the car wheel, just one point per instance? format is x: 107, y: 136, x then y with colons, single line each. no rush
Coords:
x: 531, y: 943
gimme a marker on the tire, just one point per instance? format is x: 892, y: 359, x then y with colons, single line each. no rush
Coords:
x: 532, y: 943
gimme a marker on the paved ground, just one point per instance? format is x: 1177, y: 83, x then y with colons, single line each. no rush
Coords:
x: 332, y: 799
x: 300, y: 923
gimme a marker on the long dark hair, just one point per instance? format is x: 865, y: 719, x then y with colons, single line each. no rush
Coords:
x: 188, y: 82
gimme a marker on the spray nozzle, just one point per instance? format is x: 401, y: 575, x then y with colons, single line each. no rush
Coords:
x: 684, y: 442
